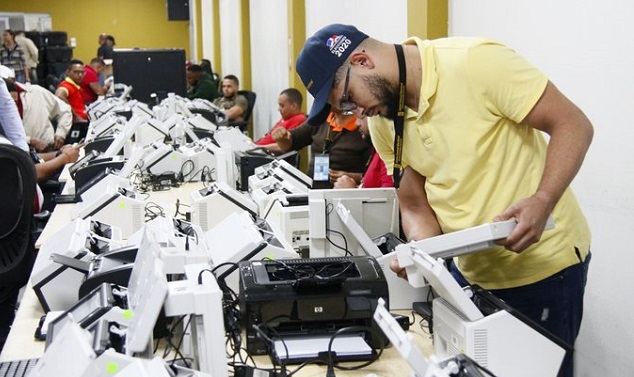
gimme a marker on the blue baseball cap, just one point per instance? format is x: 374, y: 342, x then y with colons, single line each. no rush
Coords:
x: 317, y: 63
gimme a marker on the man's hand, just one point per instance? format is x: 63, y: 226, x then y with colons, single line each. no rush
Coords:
x: 58, y: 142
x: 531, y: 215
x: 333, y: 175
x: 283, y: 138
x: 71, y: 152
x: 39, y: 145
x: 345, y: 181
x: 397, y: 269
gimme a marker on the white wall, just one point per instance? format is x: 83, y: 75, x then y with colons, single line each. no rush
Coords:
x: 207, y: 17
x: 231, y: 55
x: 269, y: 60
x: 380, y: 19
x: 270, y: 53
x: 585, y: 47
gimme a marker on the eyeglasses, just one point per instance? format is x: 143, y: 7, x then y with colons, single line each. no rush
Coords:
x: 346, y: 105
x: 78, y: 72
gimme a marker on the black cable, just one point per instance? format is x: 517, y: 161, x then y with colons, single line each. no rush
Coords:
x: 200, y: 275
x: 355, y: 329
x: 191, y: 170
x: 305, y: 363
x: 177, y: 353
x: 462, y: 358
x: 271, y: 207
x: 271, y: 346
x: 329, y: 209
x: 153, y: 210
x: 178, y: 212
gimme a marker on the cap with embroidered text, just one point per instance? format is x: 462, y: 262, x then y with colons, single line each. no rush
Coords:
x: 321, y: 56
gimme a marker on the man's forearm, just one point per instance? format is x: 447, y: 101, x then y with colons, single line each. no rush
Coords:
x: 273, y: 147
x: 418, y: 226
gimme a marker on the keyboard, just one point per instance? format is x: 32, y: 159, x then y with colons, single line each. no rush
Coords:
x: 17, y: 368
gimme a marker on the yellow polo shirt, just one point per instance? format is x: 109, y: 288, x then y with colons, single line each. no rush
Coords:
x: 467, y: 139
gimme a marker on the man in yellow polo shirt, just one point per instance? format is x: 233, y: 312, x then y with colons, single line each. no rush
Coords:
x: 473, y: 151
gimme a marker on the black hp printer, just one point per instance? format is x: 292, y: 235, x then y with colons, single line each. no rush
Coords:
x: 305, y: 297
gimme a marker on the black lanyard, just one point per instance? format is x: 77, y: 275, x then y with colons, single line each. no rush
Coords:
x: 399, y: 120
x: 328, y: 143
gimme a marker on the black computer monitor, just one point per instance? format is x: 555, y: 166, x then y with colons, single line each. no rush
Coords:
x: 152, y: 73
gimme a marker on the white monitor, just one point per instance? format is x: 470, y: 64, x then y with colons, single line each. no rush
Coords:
x: 200, y: 160
x: 376, y: 210
x: 212, y: 204
x: 151, y: 290
x: 102, y: 107
x: 142, y: 109
x: 105, y: 125
x: 288, y: 217
x: 147, y: 252
x: 226, y: 169
x: 92, y: 189
x: 135, y: 160
x: 180, y: 242
x: 50, y: 280
x: 197, y: 121
x: 239, y: 142
x: 117, y: 205
x: 121, y: 138
x: 282, y: 171
x: 500, y: 342
x: 150, y: 131
x: 70, y: 354
x: 264, y: 195
x: 161, y: 159
x: 238, y: 238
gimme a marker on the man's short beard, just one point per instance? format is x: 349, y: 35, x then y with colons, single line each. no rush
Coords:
x: 381, y: 89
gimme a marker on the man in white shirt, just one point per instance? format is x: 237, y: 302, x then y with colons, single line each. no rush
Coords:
x: 39, y: 108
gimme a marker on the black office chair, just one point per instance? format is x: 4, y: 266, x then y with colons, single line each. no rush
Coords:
x: 251, y: 97
x: 17, y: 253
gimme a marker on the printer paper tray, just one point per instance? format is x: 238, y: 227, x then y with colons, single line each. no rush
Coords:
x: 303, y: 348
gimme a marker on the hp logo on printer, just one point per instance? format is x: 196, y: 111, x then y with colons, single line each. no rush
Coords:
x: 319, y: 309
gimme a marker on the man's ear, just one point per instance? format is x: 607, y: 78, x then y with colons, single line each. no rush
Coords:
x: 361, y: 58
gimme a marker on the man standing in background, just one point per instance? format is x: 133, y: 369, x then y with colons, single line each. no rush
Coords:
x: 31, y: 54
x: 12, y: 56
x: 106, y: 50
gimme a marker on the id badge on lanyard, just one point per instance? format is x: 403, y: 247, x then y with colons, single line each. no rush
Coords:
x: 322, y: 167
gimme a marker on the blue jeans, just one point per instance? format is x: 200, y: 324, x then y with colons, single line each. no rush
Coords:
x: 20, y: 77
x: 556, y: 303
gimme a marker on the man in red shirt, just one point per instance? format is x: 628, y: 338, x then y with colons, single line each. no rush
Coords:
x: 289, y: 105
x: 69, y: 90
x: 91, y: 86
